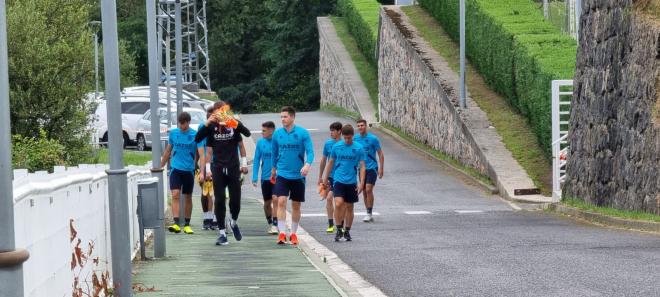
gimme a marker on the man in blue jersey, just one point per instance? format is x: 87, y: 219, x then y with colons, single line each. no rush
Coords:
x: 375, y: 168
x: 180, y: 152
x: 347, y: 160
x: 263, y: 158
x: 335, y: 136
x: 206, y: 182
x: 290, y: 145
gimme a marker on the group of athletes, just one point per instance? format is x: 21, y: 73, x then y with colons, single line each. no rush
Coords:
x: 215, y: 155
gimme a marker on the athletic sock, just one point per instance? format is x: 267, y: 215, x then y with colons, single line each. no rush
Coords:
x: 222, y: 232
x: 340, y: 227
x: 274, y: 221
x: 282, y: 226
x: 270, y: 220
x: 294, y: 227
x: 187, y: 222
x: 232, y: 222
x: 369, y: 210
x: 331, y: 222
x: 348, y: 228
x: 176, y: 221
x: 214, y: 219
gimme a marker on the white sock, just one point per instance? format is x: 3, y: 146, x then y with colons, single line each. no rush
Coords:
x: 222, y: 232
x: 214, y: 219
x: 294, y: 227
x: 281, y: 224
x: 233, y: 222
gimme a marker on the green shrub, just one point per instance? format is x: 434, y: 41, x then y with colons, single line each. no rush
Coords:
x: 516, y: 51
x: 362, y: 19
x: 36, y: 154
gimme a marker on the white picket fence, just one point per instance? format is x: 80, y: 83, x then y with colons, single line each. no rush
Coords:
x: 59, y: 213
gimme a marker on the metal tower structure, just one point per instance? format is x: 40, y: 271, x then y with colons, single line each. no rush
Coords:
x: 195, y: 54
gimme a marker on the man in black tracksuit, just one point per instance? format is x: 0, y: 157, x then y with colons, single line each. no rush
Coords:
x: 223, y: 144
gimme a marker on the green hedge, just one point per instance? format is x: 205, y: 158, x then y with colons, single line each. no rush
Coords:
x: 516, y: 51
x: 362, y: 19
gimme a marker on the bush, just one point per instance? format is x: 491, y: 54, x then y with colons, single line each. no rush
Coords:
x: 516, y: 51
x: 362, y: 19
x: 36, y: 154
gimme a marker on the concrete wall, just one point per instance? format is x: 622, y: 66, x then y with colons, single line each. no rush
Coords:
x: 614, y: 136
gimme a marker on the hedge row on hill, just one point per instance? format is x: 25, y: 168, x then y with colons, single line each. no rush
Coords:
x: 362, y: 19
x: 516, y: 51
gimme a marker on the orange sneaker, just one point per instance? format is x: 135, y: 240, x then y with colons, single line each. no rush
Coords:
x: 281, y: 239
x: 293, y: 239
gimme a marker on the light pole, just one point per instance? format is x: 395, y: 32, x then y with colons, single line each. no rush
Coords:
x: 179, y: 80
x: 462, y: 54
x: 159, y: 238
x: 117, y: 188
x: 96, y: 58
x: 11, y: 259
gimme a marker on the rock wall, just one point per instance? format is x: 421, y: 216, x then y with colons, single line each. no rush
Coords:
x: 614, y: 135
x: 335, y: 85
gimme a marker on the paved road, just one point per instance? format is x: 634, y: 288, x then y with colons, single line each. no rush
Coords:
x: 493, y: 252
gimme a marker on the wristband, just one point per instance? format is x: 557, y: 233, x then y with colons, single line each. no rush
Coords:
x: 243, y: 162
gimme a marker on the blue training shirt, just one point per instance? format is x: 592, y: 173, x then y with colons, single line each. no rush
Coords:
x: 183, y: 149
x: 263, y: 156
x: 327, y: 149
x: 289, y: 149
x: 347, y: 161
x: 371, y: 145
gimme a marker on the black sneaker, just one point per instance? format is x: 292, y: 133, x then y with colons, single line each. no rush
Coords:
x: 347, y: 235
x: 339, y: 235
x: 222, y: 240
x: 236, y: 231
x: 207, y: 224
x: 214, y: 225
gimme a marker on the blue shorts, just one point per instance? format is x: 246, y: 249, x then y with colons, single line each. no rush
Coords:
x: 294, y: 188
x: 371, y: 176
x: 182, y: 180
x: 346, y: 192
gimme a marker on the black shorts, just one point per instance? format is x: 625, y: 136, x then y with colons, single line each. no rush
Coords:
x: 267, y: 189
x: 371, y: 176
x: 182, y: 180
x: 346, y: 192
x: 294, y: 188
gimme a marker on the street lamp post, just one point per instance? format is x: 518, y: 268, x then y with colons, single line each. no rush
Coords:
x: 179, y: 80
x: 159, y: 238
x: 463, y: 92
x: 11, y: 259
x: 117, y: 175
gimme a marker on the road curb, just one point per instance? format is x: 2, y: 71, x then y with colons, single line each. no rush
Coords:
x: 486, y: 187
x: 602, y: 219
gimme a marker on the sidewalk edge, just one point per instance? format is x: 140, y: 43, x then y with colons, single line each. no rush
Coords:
x: 601, y: 219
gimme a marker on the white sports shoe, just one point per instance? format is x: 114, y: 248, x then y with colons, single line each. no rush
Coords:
x: 273, y: 230
x: 368, y: 218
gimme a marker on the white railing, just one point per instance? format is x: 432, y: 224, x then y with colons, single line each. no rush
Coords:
x: 62, y: 220
x: 562, y: 94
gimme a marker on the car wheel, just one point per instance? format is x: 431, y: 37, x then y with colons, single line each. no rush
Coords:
x: 141, y: 143
x: 104, y: 140
x: 127, y: 140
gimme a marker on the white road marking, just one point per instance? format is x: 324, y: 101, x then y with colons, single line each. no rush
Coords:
x: 468, y: 211
x: 416, y: 212
x: 324, y: 215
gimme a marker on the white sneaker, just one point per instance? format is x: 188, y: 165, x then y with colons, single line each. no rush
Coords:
x: 273, y: 230
x: 368, y: 218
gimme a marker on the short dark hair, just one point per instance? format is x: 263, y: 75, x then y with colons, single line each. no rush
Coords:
x: 362, y: 121
x: 289, y: 110
x: 347, y: 130
x: 336, y: 126
x: 269, y: 125
x: 209, y: 111
x: 183, y: 117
